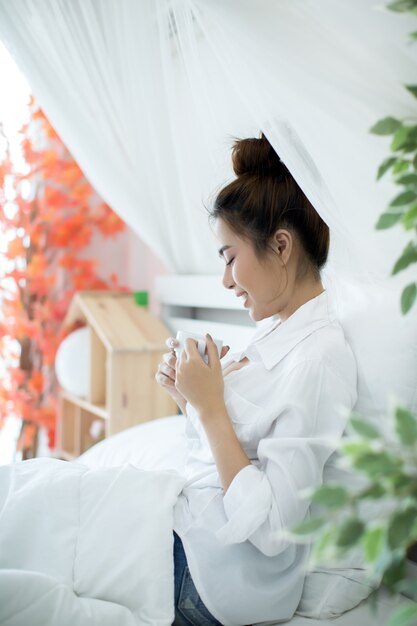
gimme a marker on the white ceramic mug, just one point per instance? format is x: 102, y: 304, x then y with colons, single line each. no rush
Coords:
x: 201, y: 343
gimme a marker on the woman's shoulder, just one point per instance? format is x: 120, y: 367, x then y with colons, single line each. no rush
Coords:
x: 329, y: 346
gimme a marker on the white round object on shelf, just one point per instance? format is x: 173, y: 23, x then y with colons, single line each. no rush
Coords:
x: 72, y: 362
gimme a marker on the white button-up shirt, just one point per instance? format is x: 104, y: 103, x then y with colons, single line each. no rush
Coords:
x: 289, y: 407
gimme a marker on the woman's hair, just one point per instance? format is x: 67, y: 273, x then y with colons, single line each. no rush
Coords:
x: 265, y: 197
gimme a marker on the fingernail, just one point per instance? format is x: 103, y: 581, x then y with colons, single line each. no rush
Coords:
x: 209, y: 336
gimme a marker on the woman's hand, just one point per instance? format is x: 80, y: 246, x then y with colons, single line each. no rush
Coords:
x: 199, y: 383
x: 166, y: 374
x: 203, y: 386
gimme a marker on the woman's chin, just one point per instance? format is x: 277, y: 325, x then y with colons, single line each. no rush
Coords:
x: 254, y: 315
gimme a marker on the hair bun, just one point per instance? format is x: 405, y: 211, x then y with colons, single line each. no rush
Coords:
x: 257, y: 157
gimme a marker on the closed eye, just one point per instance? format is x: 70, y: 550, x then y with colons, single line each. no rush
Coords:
x: 230, y: 262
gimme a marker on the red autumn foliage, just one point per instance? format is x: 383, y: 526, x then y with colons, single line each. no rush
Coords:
x: 48, y: 219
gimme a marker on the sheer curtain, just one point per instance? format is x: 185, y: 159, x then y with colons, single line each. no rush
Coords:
x: 149, y: 95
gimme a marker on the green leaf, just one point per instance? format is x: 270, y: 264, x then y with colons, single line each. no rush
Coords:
x: 401, y: 485
x: 413, y: 35
x: 409, y: 217
x: 363, y: 428
x: 408, y: 257
x: 350, y: 532
x: 308, y: 526
x: 323, y: 540
x: 354, y: 449
x: 386, y: 126
x: 408, y: 179
x: 410, y: 145
x: 331, y: 496
x: 401, y: 137
x: 374, y: 492
x: 373, y: 543
x: 377, y: 464
x: 401, y: 166
x: 401, y: 6
x: 404, y: 198
x: 405, y: 615
x: 386, y: 220
x: 385, y: 165
x: 408, y: 297
x: 406, y: 426
x: 399, y: 528
x: 412, y: 89
x: 394, y: 570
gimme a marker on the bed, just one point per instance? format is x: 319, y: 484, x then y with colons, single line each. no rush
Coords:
x: 80, y: 565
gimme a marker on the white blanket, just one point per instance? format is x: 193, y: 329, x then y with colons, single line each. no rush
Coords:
x: 81, y: 546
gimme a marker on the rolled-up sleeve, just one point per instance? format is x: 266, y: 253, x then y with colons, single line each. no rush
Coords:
x: 307, y: 422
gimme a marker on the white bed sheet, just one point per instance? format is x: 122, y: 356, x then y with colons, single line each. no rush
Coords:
x: 86, y: 547
x: 103, y: 553
x: 156, y: 445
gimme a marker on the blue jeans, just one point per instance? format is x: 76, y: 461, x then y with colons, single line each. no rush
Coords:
x: 189, y: 608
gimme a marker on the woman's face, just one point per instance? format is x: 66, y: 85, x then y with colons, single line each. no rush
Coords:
x: 260, y: 284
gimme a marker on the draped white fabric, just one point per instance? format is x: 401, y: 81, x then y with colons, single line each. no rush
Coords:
x: 148, y: 97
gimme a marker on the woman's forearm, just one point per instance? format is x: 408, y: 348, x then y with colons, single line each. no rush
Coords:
x: 228, y: 454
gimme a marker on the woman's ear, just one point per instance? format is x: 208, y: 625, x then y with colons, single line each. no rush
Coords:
x: 283, y: 243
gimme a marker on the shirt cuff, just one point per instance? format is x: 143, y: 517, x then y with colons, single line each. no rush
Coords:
x: 247, y: 504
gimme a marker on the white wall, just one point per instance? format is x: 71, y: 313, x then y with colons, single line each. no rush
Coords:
x: 142, y: 268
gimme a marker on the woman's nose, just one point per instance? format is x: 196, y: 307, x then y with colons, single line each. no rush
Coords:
x: 227, y: 278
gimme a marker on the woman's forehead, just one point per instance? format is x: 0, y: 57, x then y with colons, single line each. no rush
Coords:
x: 224, y: 233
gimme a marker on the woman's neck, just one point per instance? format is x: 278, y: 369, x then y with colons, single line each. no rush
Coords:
x: 302, y: 293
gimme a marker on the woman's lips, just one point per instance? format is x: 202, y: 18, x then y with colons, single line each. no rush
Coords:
x: 244, y: 296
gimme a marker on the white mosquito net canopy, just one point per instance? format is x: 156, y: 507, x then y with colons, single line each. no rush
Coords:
x: 149, y: 95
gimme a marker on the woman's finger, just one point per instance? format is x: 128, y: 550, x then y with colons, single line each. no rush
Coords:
x: 164, y: 379
x: 168, y: 370
x: 170, y: 359
x: 213, y: 355
x: 190, y: 347
x: 224, y: 351
x: 172, y: 343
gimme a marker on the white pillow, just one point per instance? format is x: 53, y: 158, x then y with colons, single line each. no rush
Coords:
x: 383, y: 341
x: 72, y: 362
x: 156, y: 445
x: 329, y: 592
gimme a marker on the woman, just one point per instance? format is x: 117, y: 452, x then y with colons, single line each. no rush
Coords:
x: 261, y: 423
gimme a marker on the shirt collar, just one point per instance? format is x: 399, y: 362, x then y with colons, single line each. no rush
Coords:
x: 271, y: 346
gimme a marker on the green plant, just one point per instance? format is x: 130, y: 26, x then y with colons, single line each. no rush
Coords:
x: 385, y: 461
x: 403, y: 165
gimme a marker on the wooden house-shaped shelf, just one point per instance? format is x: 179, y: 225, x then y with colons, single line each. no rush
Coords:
x: 126, y: 346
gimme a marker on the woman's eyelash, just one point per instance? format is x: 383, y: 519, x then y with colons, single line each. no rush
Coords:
x: 230, y: 262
